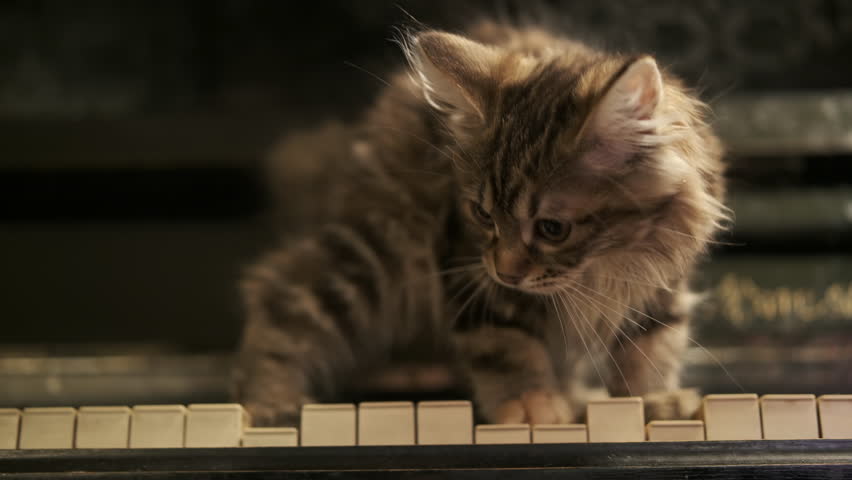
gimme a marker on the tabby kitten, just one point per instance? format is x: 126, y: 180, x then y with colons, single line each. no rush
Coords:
x: 516, y: 202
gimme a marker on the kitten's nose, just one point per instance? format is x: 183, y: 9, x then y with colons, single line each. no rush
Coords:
x: 510, y: 279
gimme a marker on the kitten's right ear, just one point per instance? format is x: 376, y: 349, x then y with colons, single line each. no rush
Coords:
x: 625, y: 120
x: 453, y: 71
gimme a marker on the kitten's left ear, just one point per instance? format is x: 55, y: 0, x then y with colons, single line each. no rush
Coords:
x: 453, y: 71
x: 623, y: 122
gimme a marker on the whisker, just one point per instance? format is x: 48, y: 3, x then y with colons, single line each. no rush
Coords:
x: 582, y: 338
x: 612, y: 325
x: 630, y: 280
x: 690, y: 339
x: 350, y: 64
x: 603, y: 344
x: 489, y: 299
x: 638, y: 348
x: 467, y: 302
x: 467, y: 285
x: 625, y: 317
x: 561, y: 326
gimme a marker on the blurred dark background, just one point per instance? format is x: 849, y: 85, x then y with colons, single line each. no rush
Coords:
x: 132, y: 135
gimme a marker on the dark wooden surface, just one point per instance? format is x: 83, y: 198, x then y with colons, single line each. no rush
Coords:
x: 731, y: 460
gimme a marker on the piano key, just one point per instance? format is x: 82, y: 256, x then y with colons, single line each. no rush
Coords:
x: 102, y: 427
x: 789, y: 417
x: 332, y: 424
x: 502, y: 434
x: 835, y: 416
x: 10, y: 421
x: 675, y: 430
x: 732, y: 417
x: 157, y: 426
x: 386, y: 423
x: 560, y: 433
x: 616, y: 420
x: 271, y: 437
x: 215, y: 425
x: 444, y: 423
x: 50, y: 427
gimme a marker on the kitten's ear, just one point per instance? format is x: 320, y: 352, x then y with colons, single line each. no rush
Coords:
x: 453, y: 71
x: 623, y: 122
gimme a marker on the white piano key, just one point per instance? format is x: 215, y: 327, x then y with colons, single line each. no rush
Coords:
x: 271, y: 437
x: 332, y: 424
x: 616, y: 420
x: 502, y: 434
x: 215, y: 425
x: 102, y: 427
x: 675, y: 430
x: 10, y: 421
x: 732, y: 417
x: 444, y: 423
x: 789, y: 417
x: 386, y: 423
x: 157, y: 426
x: 51, y: 427
x: 835, y: 416
x: 560, y: 433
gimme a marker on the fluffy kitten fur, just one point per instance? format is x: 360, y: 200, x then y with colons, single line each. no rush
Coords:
x: 516, y: 202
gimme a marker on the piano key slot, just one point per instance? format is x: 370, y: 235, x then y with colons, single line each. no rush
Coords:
x: 675, y: 430
x: 502, y: 434
x: 566, y: 433
x: 270, y: 437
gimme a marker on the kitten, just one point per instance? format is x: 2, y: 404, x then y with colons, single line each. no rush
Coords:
x: 516, y: 202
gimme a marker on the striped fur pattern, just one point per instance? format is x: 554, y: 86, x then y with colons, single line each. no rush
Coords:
x: 516, y: 203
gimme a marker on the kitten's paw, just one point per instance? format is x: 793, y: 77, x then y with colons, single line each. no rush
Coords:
x: 273, y: 416
x: 535, y: 407
x: 672, y: 405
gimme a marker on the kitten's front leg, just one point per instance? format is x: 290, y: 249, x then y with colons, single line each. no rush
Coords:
x: 313, y: 312
x: 291, y: 350
x: 512, y: 376
x: 651, y: 361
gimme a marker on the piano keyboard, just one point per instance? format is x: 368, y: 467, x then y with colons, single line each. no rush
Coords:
x: 735, y: 436
x: 614, y: 420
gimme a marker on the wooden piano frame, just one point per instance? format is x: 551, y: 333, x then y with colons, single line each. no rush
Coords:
x: 759, y: 459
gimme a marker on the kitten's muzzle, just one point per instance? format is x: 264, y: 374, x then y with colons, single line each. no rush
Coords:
x: 511, y: 266
x: 510, y: 279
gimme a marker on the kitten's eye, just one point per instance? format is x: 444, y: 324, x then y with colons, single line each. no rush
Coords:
x: 481, y: 215
x: 552, y: 230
